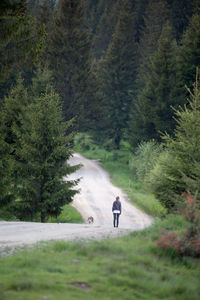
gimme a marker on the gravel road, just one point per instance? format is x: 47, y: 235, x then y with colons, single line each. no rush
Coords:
x: 96, y: 196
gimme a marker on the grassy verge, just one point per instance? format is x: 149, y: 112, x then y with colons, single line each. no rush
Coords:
x: 69, y: 215
x: 116, y: 163
x: 131, y: 267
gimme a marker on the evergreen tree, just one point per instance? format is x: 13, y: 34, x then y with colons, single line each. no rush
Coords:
x: 140, y: 8
x: 152, y: 114
x: 106, y: 27
x: 190, y: 52
x: 92, y: 14
x: 180, y: 13
x: 12, y: 112
x: 155, y: 18
x: 43, y: 153
x: 117, y: 74
x: 20, y: 38
x: 69, y: 58
x: 179, y: 168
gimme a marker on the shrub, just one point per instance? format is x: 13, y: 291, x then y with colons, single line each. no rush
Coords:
x: 143, y: 161
x: 187, y: 243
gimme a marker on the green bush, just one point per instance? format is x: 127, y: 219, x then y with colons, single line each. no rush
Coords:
x: 143, y: 161
x: 188, y: 242
x: 163, y: 183
x: 178, y: 168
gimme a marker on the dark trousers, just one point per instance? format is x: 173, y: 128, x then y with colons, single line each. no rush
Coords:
x: 115, y: 220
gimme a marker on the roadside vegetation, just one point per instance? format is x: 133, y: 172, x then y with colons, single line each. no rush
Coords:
x: 69, y: 214
x: 130, y: 267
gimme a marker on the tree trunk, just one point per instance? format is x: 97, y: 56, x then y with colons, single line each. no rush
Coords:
x: 43, y: 217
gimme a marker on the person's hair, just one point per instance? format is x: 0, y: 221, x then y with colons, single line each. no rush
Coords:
x: 117, y: 198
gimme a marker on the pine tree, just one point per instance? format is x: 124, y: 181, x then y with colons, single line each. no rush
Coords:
x: 43, y: 168
x: 180, y: 13
x: 152, y: 114
x: 20, y: 38
x: 117, y: 74
x: 190, y: 52
x: 69, y: 58
x: 12, y: 112
x: 179, y: 168
x: 106, y: 27
x: 156, y: 15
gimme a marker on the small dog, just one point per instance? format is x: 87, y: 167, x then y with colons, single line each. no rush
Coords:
x: 90, y: 220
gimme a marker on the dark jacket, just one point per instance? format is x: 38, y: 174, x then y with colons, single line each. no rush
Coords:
x: 117, y: 205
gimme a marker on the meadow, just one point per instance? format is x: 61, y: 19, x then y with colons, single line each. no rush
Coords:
x: 130, y: 267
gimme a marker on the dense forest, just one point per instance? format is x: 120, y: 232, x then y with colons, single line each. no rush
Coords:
x: 119, y: 70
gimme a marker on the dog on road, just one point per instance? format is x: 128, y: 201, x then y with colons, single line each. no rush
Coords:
x: 90, y: 220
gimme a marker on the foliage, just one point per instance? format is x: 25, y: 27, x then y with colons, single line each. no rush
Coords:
x: 189, y: 56
x: 44, y: 150
x: 68, y: 58
x: 155, y: 17
x: 35, y: 146
x: 21, y: 39
x: 106, y: 26
x: 180, y: 14
x: 117, y: 74
x: 144, y: 159
x: 188, y: 242
x: 142, y: 270
x: 12, y: 113
x: 178, y: 168
x: 152, y: 112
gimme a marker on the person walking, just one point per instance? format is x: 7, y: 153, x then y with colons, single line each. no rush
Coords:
x: 116, y: 209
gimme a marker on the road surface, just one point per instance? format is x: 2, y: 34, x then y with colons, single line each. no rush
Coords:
x: 95, y: 199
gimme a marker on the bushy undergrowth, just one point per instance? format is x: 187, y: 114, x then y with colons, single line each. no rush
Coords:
x: 144, y: 159
x: 187, y: 242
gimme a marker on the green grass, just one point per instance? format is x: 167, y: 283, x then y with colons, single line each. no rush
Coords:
x: 69, y: 215
x: 116, y: 163
x: 131, y: 267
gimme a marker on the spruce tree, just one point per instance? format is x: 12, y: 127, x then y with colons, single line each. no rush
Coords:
x: 180, y: 13
x: 117, y: 74
x: 155, y: 17
x: 152, y: 113
x: 189, y: 58
x: 106, y: 27
x: 12, y: 113
x: 69, y: 58
x: 179, y: 168
x: 21, y: 40
x: 43, y: 168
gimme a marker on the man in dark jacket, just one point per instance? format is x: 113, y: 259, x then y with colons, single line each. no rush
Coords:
x: 116, y: 209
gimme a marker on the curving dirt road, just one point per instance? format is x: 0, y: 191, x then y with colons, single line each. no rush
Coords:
x: 95, y: 199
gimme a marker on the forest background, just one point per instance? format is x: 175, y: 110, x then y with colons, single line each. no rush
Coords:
x: 118, y: 81
x: 117, y: 72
